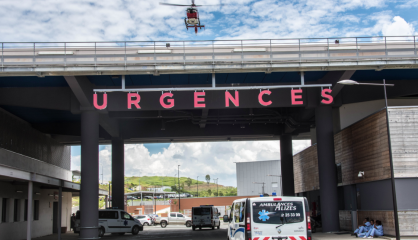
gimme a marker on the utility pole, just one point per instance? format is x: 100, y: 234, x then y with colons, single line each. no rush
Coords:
x: 197, y: 186
x: 155, y: 201
x: 102, y: 175
x: 217, y: 190
x: 178, y: 175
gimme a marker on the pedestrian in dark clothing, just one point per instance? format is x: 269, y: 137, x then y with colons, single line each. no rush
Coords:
x: 72, y: 221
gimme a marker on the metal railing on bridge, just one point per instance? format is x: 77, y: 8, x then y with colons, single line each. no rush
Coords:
x: 221, y: 55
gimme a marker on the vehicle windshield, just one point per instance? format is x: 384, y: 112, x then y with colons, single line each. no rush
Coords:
x: 278, y: 212
x: 201, y: 211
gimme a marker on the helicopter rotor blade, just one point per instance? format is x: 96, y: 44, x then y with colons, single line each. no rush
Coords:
x: 176, y: 5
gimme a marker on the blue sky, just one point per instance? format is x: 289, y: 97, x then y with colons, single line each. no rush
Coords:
x: 110, y: 20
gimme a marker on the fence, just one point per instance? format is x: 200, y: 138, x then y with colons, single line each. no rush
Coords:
x: 16, y: 55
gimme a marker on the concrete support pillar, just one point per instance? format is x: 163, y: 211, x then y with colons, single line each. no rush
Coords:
x: 327, y: 169
x: 29, y: 214
x: 118, y: 173
x: 286, y: 160
x: 59, y: 211
x: 89, y: 194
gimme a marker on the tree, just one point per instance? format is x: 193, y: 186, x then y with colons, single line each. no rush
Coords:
x: 207, y: 178
x: 174, y: 188
x: 215, y: 194
x: 188, y: 182
x: 221, y: 194
x: 209, y: 191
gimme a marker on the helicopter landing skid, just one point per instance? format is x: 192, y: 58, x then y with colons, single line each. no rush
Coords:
x: 195, y: 27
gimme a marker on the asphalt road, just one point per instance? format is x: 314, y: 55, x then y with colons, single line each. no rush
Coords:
x: 158, y: 233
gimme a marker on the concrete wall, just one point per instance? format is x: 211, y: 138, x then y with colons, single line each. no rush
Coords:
x: 17, y: 230
x: 354, y: 112
x: 249, y: 172
x: 20, y: 137
x: 403, y: 123
x: 28, y: 164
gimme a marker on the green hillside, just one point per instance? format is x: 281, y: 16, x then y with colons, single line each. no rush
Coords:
x: 151, y: 181
x: 188, y: 185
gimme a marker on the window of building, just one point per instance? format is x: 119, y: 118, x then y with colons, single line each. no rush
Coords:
x: 274, y: 184
x: 36, y: 210
x: 26, y: 211
x: 4, y: 210
x: 16, y: 210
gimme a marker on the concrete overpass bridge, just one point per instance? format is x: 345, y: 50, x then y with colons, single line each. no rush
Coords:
x: 189, y: 91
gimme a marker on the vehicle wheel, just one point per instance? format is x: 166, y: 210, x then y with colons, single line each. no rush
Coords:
x: 213, y: 227
x: 146, y: 224
x: 135, y: 230
x: 218, y: 226
x: 163, y: 224
x: 101, y: 232
x: 200, y: 228
x: 121, y: 234
x: 188, y: 224
x: 193, y: 227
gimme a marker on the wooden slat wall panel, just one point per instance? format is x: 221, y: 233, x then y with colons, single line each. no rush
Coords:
x: 363, y: 147
x: 388, y: 221
x: 408, y: 221
x: 305, y: 169
x: 403, y: 124
x: 345, y: 220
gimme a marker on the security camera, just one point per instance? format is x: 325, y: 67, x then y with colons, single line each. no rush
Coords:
x: 360, y: 174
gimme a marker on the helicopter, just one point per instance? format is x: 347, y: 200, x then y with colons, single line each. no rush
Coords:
x: 192, y: 20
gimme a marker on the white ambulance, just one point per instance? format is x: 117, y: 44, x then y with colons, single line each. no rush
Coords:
x: 269, y: 218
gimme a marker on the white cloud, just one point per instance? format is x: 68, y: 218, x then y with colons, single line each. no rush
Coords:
x: 195, y: 159
x: 111, y: 20
x: 398, y: 27
x: 408, y: 4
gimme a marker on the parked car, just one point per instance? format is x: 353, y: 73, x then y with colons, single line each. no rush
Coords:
x: 174, y: 219
x: 152, y: 219
x: 269, y: 218
x: 205, y: 216
x: 144, y: 219
x: 113, y: 221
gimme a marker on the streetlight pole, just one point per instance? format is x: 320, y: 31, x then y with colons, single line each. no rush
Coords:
x: 178, y: 175
x: 262, y: 189
x: 280, y: 179
x: 197, y: 186
x: 392, y: 177
x: 217, y: 190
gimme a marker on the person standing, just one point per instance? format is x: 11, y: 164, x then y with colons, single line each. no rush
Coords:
x: 72, y: 222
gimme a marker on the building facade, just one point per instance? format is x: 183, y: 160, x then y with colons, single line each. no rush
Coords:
x: 362, y: 161
x: 29, y: 157
x: 253, y: 178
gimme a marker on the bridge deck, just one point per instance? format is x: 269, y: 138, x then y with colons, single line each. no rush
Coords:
x: 92, y: 58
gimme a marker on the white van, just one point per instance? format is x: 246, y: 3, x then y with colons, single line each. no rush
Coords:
x: 269, y: 218
x: 114, y: 221
x: 205, y: 216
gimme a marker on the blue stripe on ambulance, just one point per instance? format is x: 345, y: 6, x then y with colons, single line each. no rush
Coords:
x: 239, y: 230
